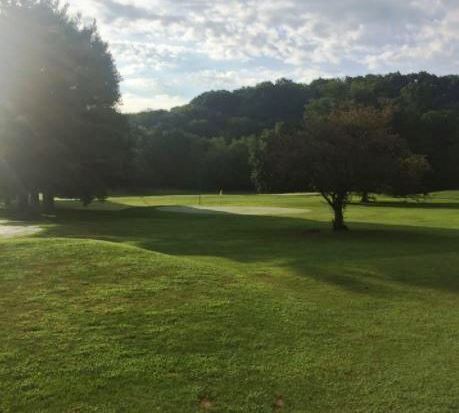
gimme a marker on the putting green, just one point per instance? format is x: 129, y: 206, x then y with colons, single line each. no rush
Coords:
x: 238, y: 210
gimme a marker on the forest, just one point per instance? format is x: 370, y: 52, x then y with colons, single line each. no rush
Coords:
x: 214, y: 142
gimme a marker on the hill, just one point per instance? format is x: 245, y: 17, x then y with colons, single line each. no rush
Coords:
x: 207, y: 144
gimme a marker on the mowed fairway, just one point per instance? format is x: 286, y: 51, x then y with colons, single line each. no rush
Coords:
x: 123, y: 307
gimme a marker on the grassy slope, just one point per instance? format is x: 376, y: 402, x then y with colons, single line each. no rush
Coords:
x: 247, y: 307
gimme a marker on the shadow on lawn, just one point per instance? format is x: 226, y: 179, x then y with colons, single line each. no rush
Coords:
x: 368, y: 259
x: 408, y: 204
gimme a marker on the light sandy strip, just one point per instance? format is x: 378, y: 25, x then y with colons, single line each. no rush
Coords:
x: 10, y: 231
x: 238, y: 210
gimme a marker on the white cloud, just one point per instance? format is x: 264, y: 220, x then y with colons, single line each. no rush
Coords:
x: 233, y: 79
x: 194, y: 45
x: 134, y: 103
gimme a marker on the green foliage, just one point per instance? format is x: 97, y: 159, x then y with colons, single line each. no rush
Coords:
x: 235, y: 114
x: 278, y: 161
x: 426, y: 115
x: 339, y: 151
x: 60, y: 131
x: 351, y: 150
x: 410, y: 176
x: 175, y: 159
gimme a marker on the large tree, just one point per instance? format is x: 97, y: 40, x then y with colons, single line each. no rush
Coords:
x: 61, y: 133
x: 337, y: 152
x: 351, y: 150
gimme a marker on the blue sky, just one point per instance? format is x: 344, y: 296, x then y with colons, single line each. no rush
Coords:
x: 169, y: 51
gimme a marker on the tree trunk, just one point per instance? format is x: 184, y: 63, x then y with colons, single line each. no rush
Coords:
x: 338, y: 222
x: 23, y: 201
x: 337, y: 202
x: 34, y: 200
x: 48, y: 202
x: 7, y: 201
x: 365, y: 198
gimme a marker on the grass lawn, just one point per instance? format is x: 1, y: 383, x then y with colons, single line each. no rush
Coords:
x: 123, y: 307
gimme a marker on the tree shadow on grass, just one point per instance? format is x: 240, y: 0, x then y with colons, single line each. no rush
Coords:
x: 368, y: 259
x: 408, y: 204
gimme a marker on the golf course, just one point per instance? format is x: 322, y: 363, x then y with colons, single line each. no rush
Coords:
x: 231, y: 303
x: 238, y: 206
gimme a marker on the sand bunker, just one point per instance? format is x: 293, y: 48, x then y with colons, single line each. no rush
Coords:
x: 9, y: 231
x: 238, y: 210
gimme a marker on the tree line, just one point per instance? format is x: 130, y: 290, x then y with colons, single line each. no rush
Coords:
x: 61, y: 134
x: 424, y: 113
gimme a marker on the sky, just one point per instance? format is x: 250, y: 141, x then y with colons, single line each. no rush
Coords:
x: 169, y: 51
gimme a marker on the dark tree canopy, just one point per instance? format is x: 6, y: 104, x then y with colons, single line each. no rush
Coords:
x: 61, y: 134
x: 350, y: 149
x: 425, y: 114
x: 233, y: 114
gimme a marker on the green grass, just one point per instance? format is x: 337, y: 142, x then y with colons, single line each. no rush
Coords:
x: 122, y: 307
